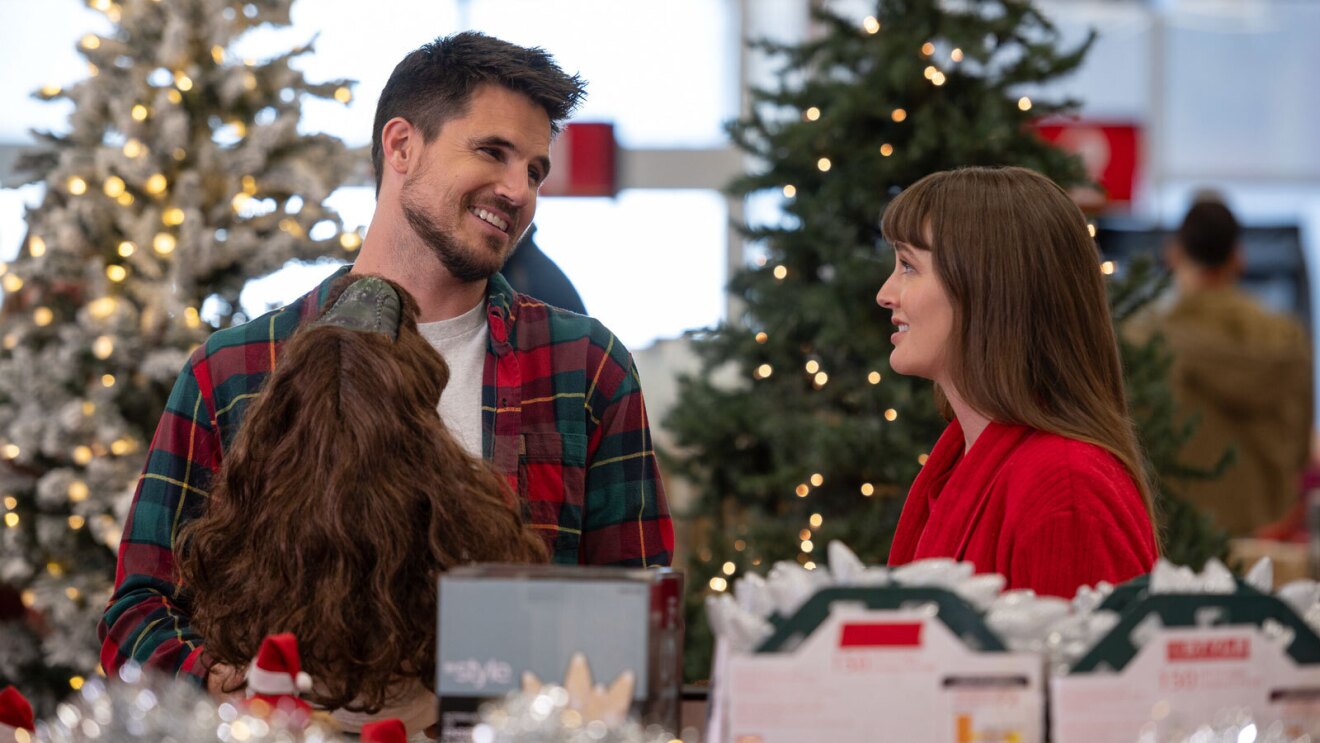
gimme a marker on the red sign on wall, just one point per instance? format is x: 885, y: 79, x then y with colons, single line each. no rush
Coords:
x: 582, y: 162
x: 1112, y: 153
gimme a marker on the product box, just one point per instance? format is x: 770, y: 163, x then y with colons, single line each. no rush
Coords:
x: 613, y: 634
x: 858, y: 665
x: 1175, y: 662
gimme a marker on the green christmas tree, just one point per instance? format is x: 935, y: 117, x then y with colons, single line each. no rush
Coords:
x: 820, y: 440
x: 181, y: 176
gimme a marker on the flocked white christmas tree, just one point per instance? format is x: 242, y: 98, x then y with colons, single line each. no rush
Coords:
x: 182, y: 175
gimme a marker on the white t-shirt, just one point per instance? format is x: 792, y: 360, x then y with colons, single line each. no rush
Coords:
x: 462, y: 342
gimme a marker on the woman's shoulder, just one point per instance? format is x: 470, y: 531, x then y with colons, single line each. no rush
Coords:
x: 1057, y: 472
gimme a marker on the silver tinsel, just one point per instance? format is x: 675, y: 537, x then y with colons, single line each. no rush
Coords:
x: 141, y: 706
x: 548, y: 717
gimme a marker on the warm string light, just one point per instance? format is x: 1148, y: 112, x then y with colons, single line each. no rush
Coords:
x: 11, y: 283
x: 761, y: 337
x: 886, y: 149
x: 174, y: 96
x: 107, y: 380
x: 82, y: 455
x: 816, y: 520
x: 127, y: 248
x: 192, y: 318
x: 76, y: 522
x: 10, y: 451
x: 1107, y: 268
x: 873, y: 377
x: 78, y: 491
x: 50, y: 90
x: 956, y: 55
x: 163, y: 243
x: 927, y: 49
x: 113, y: 186
x: 218, y: 54
x: 780, y: 272
x: 718, y: 584
x: 350, y: 241
x: 763, y: 371
x: 1024, y: 103
x: 802, y: 490
x: 343, y: 95
x: 817, y: 480
x: 728, y: 568
x: 43, y: 316
x: 116, y: 273
x: 101, y: 309
x: 36, y: 246
x: 157, y: 184
x: 898, y: 115
x: 812, y: 366
x: 870, y: 25
x: 891, y: 415
x: 790, y: 191
x: 1090, y: 229
x: 139, y: 112
x: 812, y: 114
x: 868, y: 489
x: 90, y: 41
x: 820, y: 379
x: 182, y: 81
x: 76, y: 185
x: 173, y: 216
x: 824, y: 164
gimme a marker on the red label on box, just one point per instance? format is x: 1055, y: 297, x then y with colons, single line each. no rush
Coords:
x: 879, y: 635
x: 1230, y: 648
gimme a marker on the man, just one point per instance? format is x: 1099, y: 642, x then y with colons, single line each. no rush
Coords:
x: 1245, y: 371
x: 460, y: 146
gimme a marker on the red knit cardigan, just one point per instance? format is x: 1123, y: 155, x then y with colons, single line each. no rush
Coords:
x: 1047, y: 512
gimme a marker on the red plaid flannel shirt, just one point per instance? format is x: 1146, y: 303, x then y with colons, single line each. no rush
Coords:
x: 562, y: 418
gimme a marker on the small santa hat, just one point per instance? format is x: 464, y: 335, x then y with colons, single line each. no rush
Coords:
x: 384, y: 731
x: 277, y: 669
x: 15, y: 714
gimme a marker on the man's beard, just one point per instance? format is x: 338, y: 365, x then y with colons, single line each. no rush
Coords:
x: 465, y: 265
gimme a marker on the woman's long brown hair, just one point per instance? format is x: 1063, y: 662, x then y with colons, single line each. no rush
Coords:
x: 340, y: 502
x: 1033, y: 341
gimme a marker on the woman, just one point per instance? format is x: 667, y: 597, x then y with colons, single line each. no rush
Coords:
x: 341, y: 500
x: 998, y: 299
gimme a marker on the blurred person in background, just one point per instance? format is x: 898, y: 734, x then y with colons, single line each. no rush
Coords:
x: 1241, y: 369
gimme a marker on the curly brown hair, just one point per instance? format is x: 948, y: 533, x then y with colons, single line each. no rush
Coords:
x: 340, y: 502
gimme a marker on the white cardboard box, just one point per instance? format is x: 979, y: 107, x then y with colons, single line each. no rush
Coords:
x: 868, y: 675
x: 1184, y: 677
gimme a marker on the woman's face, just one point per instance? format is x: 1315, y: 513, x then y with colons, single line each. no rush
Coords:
x: 923, y: 314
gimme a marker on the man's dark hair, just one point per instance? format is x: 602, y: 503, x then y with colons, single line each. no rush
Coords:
x: 1208, y: 233
x: 435, y: 83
